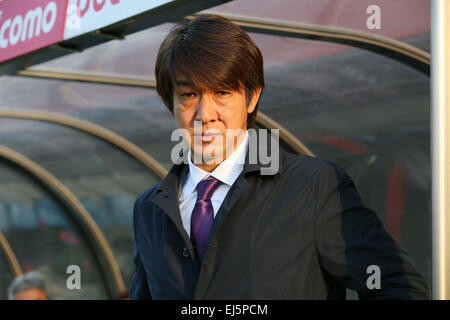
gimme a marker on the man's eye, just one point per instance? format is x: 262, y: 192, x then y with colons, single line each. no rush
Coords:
x: 187, y: 94
x: 223, y: 93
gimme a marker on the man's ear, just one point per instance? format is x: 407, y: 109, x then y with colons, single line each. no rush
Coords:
x: 255, y: 97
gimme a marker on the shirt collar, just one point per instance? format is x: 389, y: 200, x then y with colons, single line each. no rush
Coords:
x: 227, y: 171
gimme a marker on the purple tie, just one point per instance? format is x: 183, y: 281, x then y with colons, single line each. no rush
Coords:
x: 202, y: 217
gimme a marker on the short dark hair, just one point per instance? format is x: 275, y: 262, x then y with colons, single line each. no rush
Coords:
x: 211, y: 52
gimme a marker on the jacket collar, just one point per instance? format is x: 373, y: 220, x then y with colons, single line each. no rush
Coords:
x: 258, y: 146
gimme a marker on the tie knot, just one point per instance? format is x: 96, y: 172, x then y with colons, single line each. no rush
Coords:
x: 206, y: 188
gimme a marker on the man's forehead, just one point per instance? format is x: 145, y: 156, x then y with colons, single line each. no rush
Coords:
x: 182, y: 81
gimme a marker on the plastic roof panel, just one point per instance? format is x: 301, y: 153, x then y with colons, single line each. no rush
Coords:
x: 136, y: 55
x: 399, y: 18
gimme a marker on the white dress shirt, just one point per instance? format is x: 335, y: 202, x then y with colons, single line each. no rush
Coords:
x: 227, y: 172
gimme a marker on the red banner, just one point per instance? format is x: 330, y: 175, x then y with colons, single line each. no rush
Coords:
x: 26, y: 26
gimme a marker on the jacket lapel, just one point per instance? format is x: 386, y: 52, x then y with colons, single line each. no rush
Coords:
x: 167, y: 197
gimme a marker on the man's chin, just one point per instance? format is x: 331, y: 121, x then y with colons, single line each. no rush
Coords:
x: 206, y: 158
x: 209, y: 153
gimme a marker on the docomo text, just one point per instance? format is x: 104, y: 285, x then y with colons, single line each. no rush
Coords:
x: 23, y: 28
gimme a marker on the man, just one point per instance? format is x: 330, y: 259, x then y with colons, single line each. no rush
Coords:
x: 29, y: 286
x: 219, y: 228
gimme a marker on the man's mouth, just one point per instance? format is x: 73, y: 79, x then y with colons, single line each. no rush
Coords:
x: 206, y: 137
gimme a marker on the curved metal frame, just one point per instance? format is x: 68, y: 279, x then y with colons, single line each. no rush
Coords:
x: 386, y: 46
x: 58, y: 188
x: 88, y: 76
x: 267, y: 122
x: 129, y: 147
x: 104, y: 134
x: 93, y: 129
x: 132, y: 149
x: 8, y: 252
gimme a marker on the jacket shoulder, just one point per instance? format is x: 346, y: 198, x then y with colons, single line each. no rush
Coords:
x: 147, y: 195
x: 308, y: 166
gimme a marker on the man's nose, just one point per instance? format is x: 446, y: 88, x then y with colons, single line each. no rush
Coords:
x: 206, y: 109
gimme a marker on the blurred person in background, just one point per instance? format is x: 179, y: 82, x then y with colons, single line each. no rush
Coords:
x: 29, y: 286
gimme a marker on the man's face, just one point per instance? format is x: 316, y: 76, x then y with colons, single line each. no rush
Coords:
x: 216, y: 110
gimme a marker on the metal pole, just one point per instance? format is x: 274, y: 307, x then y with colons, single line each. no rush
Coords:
x: 440, y: 145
